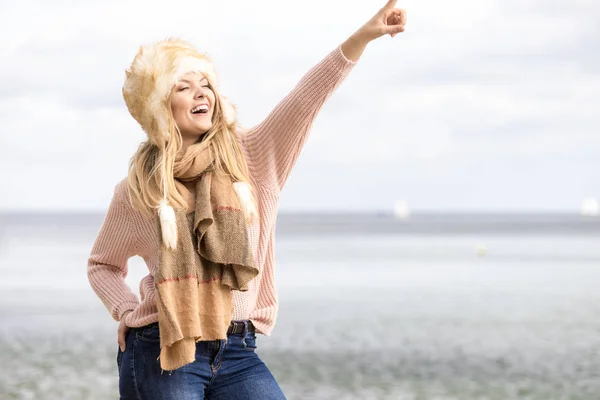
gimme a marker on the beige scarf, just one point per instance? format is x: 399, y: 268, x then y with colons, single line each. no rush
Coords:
x: 213, y: 256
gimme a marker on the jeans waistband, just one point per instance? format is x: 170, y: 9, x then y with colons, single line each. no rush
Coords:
x: 235, y: 327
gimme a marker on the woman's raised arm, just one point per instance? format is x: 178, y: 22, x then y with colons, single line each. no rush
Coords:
x: 275, y: 144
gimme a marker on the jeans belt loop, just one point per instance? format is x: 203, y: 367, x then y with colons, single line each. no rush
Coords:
x: 244, y: 332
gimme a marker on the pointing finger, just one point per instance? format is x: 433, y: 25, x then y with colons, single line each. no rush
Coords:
x: 390, y: 4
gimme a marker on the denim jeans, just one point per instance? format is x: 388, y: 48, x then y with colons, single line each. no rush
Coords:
x: 224, y: 369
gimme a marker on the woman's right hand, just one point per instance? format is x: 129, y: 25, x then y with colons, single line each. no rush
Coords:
x: 122, y: 331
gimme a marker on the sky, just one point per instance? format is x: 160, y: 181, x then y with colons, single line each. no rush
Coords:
x: 480, y: 105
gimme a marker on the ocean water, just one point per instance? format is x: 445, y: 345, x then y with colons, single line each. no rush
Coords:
x: 440, y: 307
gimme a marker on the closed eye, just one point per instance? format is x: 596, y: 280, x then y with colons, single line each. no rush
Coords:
x: 183, y: 88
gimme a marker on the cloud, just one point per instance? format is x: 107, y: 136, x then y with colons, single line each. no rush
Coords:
x: 475, y: 102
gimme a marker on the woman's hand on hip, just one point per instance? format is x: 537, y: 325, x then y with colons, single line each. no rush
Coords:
x: 122, y: 331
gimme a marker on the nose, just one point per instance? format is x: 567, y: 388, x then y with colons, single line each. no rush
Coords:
x: 200, y: 93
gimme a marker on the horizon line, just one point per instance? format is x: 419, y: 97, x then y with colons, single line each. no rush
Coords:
x: 319, y: 212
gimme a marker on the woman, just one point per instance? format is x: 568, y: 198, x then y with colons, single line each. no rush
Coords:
x: 199, y: 206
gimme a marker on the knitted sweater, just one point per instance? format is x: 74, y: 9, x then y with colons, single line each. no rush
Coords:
x: 271, y: 149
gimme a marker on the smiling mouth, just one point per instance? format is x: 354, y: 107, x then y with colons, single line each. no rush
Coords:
x: 201, y: 109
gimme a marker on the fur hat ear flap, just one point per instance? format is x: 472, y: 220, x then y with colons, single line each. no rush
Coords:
x: 162, y: 125
x: 229, y: 112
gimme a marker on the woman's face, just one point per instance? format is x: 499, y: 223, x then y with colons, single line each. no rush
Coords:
x: 192, y: 105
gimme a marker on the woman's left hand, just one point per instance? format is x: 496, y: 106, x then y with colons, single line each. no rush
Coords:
x: 387, y: 21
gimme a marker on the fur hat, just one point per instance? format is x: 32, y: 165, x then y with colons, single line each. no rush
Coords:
x: 148, y: 83
x: 151, y: 77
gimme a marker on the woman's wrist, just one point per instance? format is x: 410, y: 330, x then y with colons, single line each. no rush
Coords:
x: 355, y: 45
x: 125, y: 314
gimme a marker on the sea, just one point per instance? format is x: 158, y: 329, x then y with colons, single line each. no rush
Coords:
x: 435, y: 306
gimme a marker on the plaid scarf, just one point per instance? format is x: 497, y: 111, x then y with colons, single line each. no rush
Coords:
x: 212, y: 257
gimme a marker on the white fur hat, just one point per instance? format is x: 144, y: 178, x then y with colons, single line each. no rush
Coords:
x: 148, y: 83
x: 153, y: 73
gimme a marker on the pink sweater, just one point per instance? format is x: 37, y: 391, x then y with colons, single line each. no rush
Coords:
x: 271, y: 150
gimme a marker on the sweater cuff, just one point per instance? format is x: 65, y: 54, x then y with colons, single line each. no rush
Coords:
x: 122, y: 308
x: 340, y: 59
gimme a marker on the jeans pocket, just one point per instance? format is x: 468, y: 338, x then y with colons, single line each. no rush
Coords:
x: 150, y: 334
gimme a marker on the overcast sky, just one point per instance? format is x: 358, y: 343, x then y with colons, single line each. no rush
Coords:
x: 480, y: 105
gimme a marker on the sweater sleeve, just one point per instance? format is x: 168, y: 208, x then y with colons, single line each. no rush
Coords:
x: 275, y: 144
x: 107, y: 264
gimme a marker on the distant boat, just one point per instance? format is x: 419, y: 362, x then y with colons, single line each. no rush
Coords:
x: 590, y: 207
x: 481, y: 250
x: 401, y: 210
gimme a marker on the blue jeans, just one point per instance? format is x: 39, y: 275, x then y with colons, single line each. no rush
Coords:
x: 224, y: 370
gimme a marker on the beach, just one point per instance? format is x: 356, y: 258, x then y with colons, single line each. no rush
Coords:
x: 382, y: 311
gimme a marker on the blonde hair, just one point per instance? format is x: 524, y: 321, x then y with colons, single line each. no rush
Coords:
x: 145, y: 167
